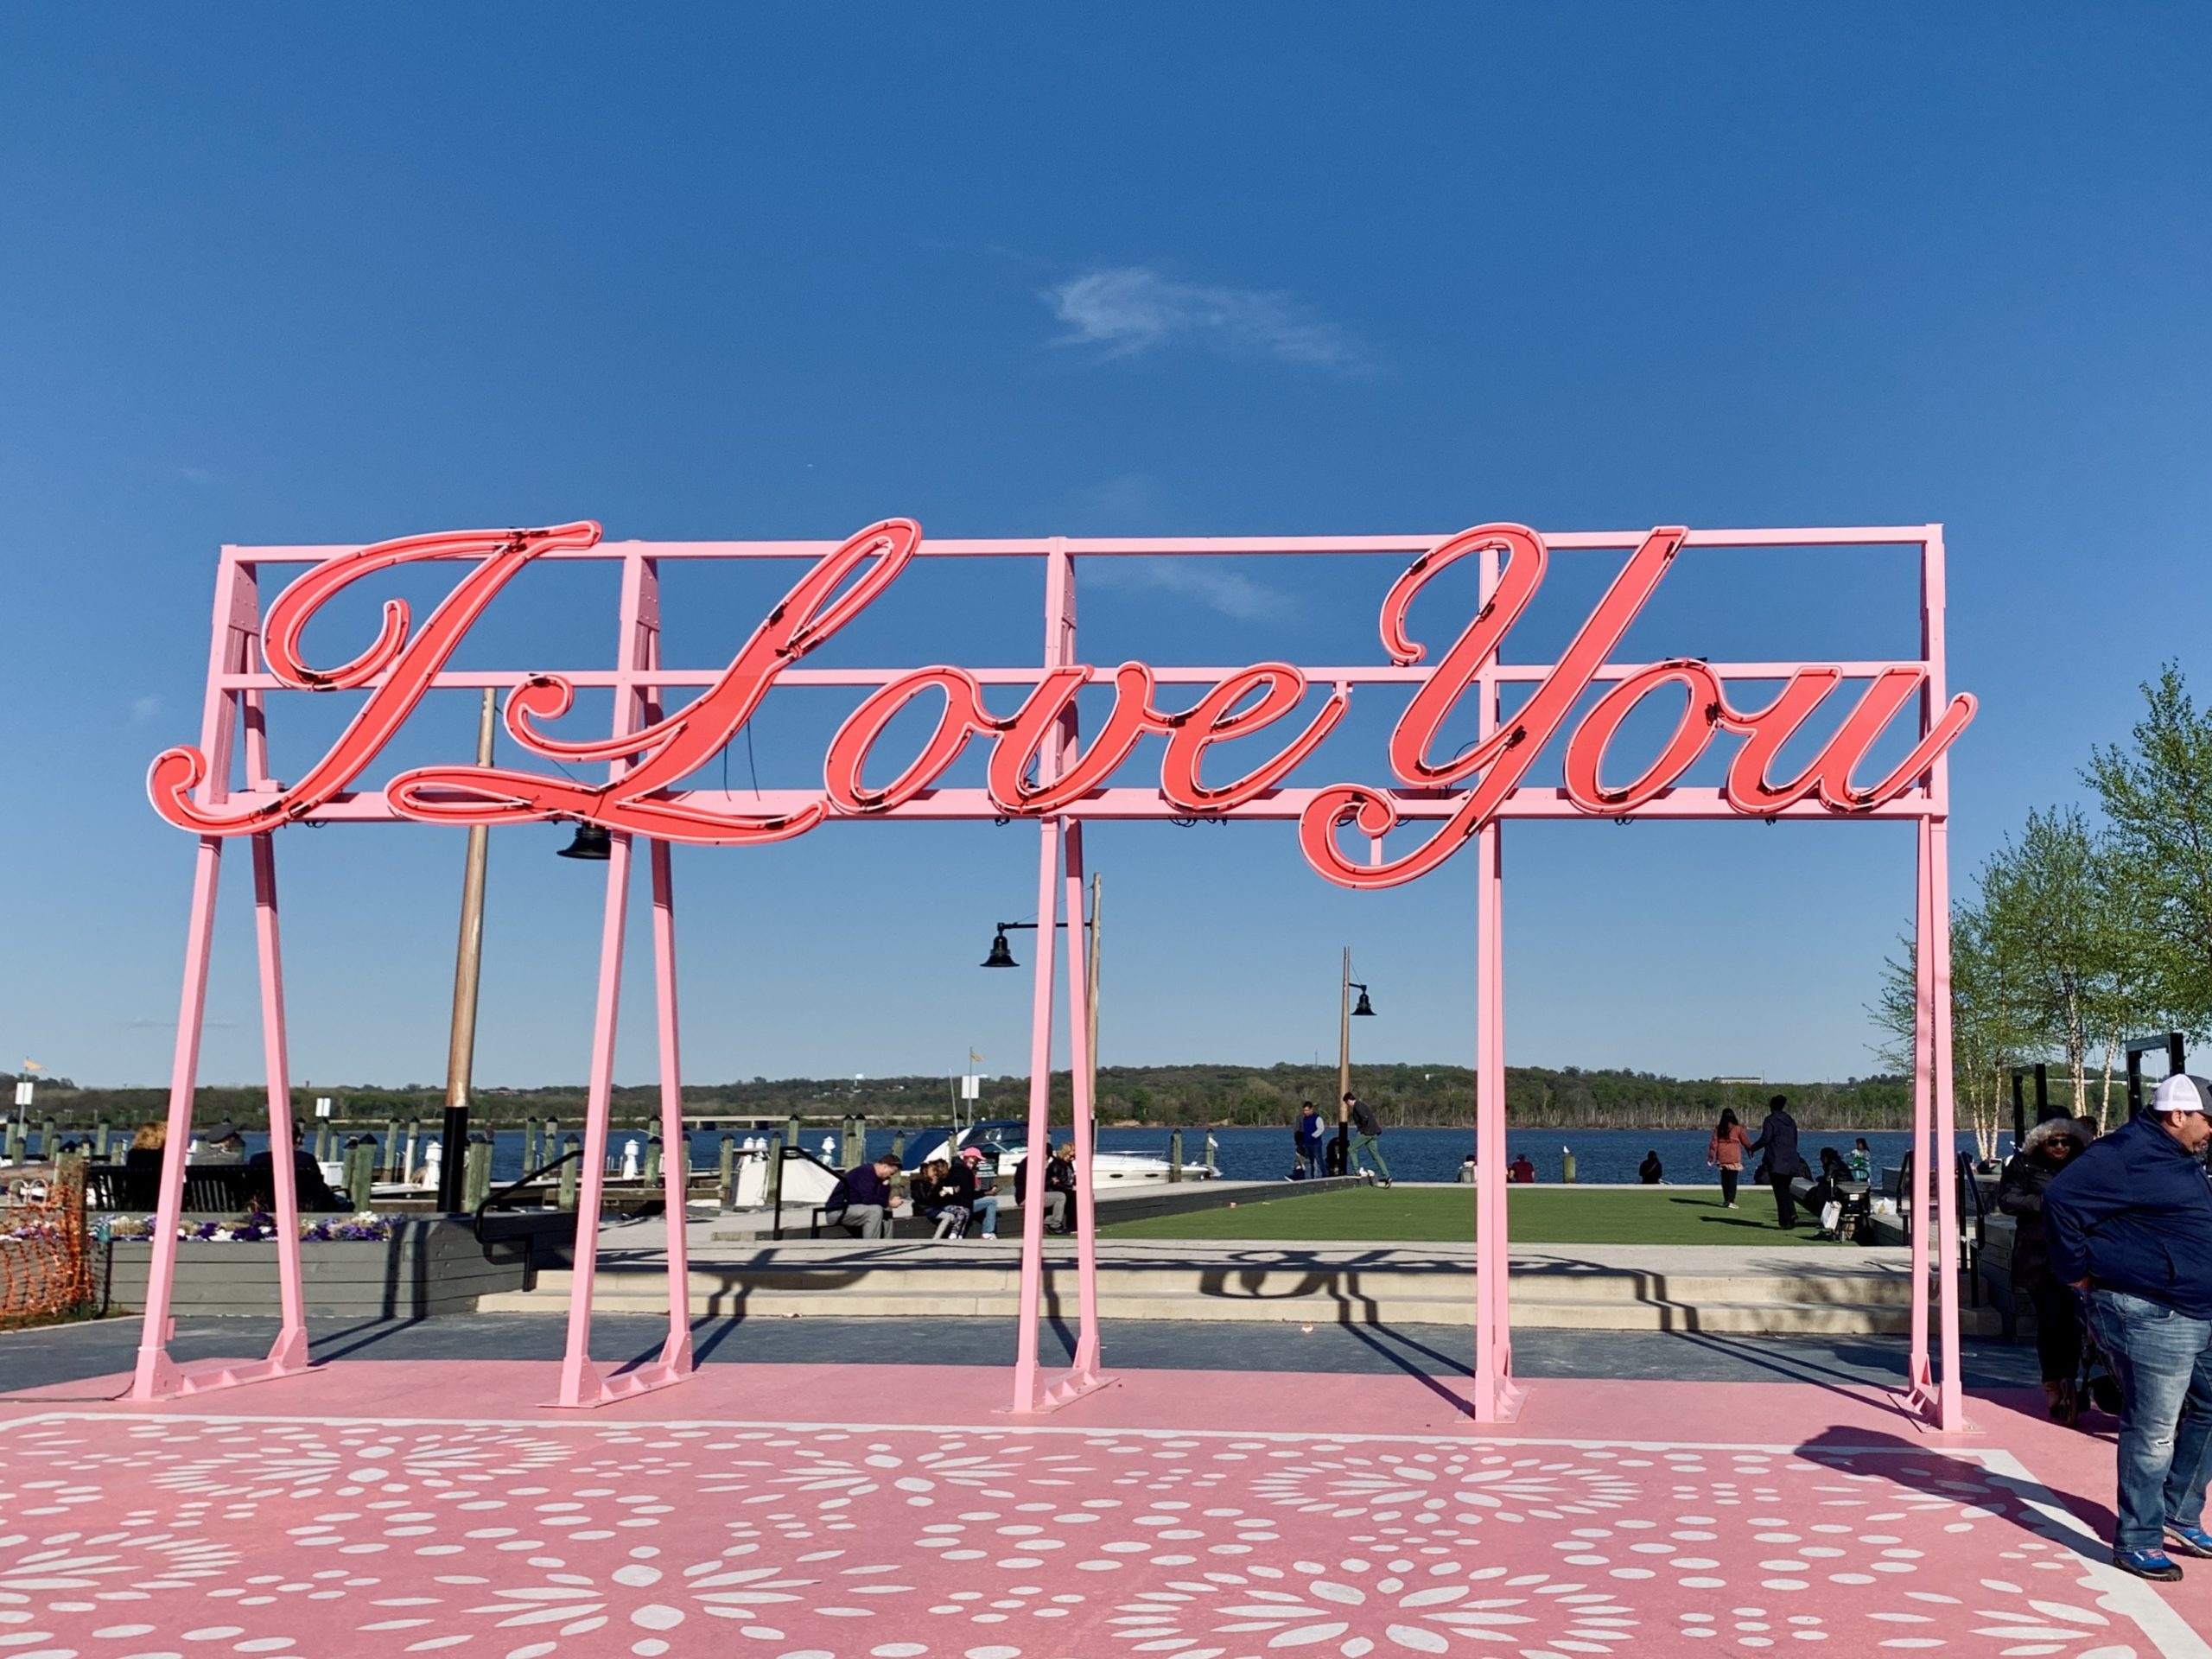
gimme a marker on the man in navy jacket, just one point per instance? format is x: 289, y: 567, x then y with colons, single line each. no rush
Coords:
x: 862, y: 1201
x: 2130, y: 1221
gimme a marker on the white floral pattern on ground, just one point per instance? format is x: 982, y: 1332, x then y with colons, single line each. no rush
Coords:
x: 132, y: 1537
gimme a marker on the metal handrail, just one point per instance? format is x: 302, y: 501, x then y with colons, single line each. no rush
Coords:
x: 1970, y: 1252
x: 514, y: 1186
x: 784, y: 1153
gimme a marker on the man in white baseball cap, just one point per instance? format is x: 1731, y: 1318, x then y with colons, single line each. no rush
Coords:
x: 2130, y: 1221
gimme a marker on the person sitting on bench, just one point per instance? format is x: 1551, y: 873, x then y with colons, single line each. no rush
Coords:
x: 940, y: 1199
x: 313, y: 1192
x: 862, y: 1200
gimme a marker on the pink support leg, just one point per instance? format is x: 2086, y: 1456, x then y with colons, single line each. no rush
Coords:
x: 1083, y: 1374
x: 1040, y: 1127
x: 1950, y: 1399
x: 1920, y: 1396
x: 675, y: 1352
x: 1497, y: 1397
x: 581, y: 1384
x: 157, y: 1376
x: 289, y: 1353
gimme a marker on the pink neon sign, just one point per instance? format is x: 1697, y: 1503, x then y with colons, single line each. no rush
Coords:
x: 644, y: 796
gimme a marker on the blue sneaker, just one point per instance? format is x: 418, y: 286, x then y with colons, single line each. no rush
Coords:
x: 2188, y: 1541
x: 2147, y: 1564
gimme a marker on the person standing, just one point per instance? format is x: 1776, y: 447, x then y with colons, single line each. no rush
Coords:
x: 1780, y: 1159
x: 1307, y: 1139
x: 1725, y: 1150
x: 2128, y: 1221
x: 2049, y: 1146
x: 1366, y: 1135
x: 1862, y: 1160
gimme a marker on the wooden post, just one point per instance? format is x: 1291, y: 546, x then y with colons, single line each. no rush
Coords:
x: 359, y: 1170
x: 569, y: 1171
x: 468, y: 973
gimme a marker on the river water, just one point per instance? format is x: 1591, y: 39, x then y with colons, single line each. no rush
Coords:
x: 1258, y: 1154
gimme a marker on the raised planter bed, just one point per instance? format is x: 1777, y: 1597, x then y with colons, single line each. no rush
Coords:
x: 429, y: 1265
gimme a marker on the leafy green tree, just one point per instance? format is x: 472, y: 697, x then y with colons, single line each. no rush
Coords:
x: 2048, y: 921
x: 2157, y: 796
x: 1989, y: 1033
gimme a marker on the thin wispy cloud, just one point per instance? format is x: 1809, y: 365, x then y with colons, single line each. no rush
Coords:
x: 144, y: 710
x: 1225, y: 591
x: 1131, y: 310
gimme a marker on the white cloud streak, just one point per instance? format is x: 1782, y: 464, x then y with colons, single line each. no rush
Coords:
x: 1130, y: 310
x: 1224, y: 591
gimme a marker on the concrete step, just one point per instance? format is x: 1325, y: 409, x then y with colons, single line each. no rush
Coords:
x: 1800, y: 1304
x: 1275, y: 1280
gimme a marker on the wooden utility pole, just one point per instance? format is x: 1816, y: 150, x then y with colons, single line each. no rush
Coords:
x: 468, y: 975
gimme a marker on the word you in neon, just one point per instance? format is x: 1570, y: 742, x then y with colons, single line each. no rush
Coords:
x: 644, y: 798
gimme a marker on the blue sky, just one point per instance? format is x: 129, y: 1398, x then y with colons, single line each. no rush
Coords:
x: 274, y: 274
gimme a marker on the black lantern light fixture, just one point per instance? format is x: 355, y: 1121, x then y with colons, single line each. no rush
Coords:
x: 591, y: 842
x: 1362, y: 1007
x: 1001, y: 954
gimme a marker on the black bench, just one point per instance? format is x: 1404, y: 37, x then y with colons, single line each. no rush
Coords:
x: 209, y: 1189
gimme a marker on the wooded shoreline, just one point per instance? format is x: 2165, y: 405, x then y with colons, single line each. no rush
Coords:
x: 1168, y: 1096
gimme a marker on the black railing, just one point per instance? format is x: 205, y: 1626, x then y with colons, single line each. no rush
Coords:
x: 491, y: 1199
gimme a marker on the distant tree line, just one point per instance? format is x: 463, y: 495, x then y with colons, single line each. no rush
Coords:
x: 2085, y: 930
x: 1168, y: 1096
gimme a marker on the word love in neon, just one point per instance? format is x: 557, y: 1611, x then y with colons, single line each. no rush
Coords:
x: 644, y: 796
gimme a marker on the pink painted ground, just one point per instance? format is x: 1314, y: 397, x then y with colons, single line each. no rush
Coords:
x: 388, y: 1508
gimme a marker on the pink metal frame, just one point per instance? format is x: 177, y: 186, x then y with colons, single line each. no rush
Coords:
x: 238, y: 683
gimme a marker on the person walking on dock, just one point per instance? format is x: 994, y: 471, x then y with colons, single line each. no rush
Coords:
x: 1366, y: 1135
x: 1725, y: 1150
x: 1780, y: 1162
x: 2128, y: 1221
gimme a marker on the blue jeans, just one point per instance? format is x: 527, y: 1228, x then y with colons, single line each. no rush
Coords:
x: 2163, y: 1361
x: 986, y: 1212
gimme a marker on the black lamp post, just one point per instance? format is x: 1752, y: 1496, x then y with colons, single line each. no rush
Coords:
x: 1347, y: 1012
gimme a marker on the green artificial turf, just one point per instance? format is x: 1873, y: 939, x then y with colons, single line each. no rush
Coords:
x: 1539, y: 1216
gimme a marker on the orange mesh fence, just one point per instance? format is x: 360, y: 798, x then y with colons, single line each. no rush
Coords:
x: 43, y: 1267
